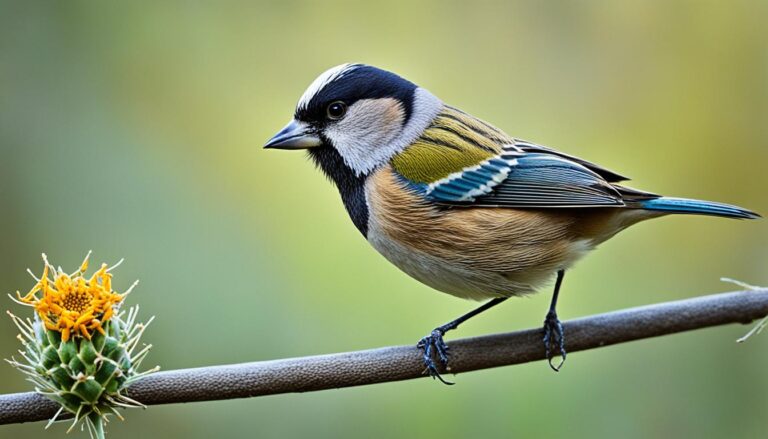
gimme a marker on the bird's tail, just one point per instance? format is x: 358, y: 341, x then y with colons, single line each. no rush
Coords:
x: 696, y: 207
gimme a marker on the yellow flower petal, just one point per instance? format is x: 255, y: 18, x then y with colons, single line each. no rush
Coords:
x: 73, y: 304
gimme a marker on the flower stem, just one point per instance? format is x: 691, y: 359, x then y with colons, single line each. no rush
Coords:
x: 98, y: 425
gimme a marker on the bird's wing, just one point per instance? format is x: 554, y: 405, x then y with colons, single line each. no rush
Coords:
x: 513, y: 179
x: 460, y: 160
x: 607, y: 174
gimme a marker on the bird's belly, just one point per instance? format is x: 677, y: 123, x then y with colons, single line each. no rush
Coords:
x: 465, y: 279
x: 474, y: 253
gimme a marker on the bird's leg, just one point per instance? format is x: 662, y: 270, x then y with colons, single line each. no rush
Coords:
x: 554, y: 338
x: 433, y: 343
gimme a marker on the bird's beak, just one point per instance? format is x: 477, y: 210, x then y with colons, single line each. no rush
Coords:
x: 295, y: 135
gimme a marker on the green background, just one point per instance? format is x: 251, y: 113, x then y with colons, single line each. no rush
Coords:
x: 135, y: 130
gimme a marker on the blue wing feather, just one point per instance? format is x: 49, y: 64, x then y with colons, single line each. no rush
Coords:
x: 608, y: 175
x: 525, y: 180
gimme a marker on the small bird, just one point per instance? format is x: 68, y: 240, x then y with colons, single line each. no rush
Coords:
x: 457, y: 203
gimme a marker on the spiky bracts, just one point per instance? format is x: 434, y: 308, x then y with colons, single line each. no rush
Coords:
x: 80, y: 349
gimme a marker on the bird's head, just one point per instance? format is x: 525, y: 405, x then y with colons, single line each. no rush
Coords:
x: 357, y: 116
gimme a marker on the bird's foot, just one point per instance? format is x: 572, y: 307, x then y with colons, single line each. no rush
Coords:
x: 554, y: 340
x: 431, y: 344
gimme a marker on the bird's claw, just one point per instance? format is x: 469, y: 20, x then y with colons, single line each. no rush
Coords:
x: 431, y: 344
x: 554, y: 340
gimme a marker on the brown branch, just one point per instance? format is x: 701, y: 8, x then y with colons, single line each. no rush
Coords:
x: 404, y: 362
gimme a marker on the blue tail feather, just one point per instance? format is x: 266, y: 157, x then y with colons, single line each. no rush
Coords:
x: 698, y: 207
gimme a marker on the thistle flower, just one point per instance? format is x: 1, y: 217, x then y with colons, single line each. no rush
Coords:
x: 80, y: 348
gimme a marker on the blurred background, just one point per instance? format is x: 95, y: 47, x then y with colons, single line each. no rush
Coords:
x: 136, y: 129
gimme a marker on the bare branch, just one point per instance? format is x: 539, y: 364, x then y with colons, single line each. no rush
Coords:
x: 404, y: 362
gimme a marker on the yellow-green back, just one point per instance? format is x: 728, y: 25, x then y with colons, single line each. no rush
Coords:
x: 454, y: 141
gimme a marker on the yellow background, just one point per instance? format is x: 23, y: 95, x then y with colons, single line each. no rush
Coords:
x: 135, y: 130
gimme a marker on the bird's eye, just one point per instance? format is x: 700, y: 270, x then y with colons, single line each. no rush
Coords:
x: 336, y: 110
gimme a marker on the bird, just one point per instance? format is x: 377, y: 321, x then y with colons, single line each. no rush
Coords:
x: 457, y: 203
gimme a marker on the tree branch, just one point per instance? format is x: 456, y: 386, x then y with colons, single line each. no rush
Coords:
x: 404, y: 362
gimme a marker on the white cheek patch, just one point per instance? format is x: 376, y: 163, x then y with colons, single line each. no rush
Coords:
x: 372, y: 131
x: 369, y: 125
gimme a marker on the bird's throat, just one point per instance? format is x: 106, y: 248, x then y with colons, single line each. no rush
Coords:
x: 351, y: 186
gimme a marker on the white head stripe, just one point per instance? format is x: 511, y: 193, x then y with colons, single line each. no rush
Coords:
x: 321, y: 81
